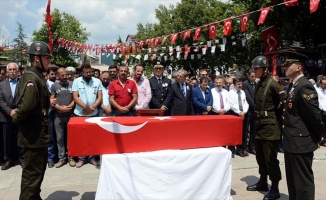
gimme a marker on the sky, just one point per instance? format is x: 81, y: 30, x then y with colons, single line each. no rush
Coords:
x: 104, y: 19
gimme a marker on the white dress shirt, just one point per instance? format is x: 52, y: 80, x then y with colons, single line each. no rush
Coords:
x: 216, y: 100
x: 234, y: 101
x: 321, y: 98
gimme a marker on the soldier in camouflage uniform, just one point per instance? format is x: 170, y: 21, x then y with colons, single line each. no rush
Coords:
x: 268, y: 96
x: 32, y: 119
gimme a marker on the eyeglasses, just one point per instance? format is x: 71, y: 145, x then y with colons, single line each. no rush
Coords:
x: 203, y: 75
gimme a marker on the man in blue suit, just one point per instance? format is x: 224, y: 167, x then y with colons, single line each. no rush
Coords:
x: 202, y: 97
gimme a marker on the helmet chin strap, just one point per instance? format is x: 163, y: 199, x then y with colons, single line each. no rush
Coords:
x: 43, y: 68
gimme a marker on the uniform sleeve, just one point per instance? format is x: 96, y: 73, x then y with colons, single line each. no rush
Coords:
x: 27, y: 103
x: 74, y: 87
x: 310, y: 110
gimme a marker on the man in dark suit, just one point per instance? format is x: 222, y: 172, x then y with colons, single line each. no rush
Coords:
x: 8, y: 130
x: 161, y: 90
x: 182, y: 95
x: 202, y: 98
x: 248, y: 87
x: 303, y: 129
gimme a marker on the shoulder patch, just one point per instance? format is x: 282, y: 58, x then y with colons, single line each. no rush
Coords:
x: 29, y: 84
x: 308, y: 96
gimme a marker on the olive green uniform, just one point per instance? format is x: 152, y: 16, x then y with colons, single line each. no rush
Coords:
x: 33, y: 135
x: 267, y: 132
x: 303, y: 129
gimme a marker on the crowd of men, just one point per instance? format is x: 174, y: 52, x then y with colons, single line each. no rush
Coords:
x: 122, y: 91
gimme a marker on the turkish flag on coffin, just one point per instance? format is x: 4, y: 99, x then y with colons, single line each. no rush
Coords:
x: 102, y: 135
x: 271, y: 38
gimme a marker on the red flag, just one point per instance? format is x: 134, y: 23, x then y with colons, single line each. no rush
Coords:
x: 314, y: 5
x: 263, y: 15
x: 186, y: 35
x: 174, y: 37
x: 291, y: 2
x: 48, y: 20
x: 130, y: 47
x: 156, y: 40
x: 164, y: 39
x: 197, y: 34
x: 244, y: 21
x: 141, y: 45
x: 227, y: 26
x: 212, y: 31
x: 271, y: 38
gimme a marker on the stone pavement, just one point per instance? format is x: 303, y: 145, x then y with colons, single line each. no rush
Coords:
x: 69, y: 183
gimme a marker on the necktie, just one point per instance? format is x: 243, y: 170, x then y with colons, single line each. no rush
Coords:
x: 183, y: 89
x: 240, y: 101
x: 289, y: 88
x: 160, y: 81
x: 221, y: 99
x: 253, y: 85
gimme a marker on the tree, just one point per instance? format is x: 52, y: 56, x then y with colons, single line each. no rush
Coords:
x: 190, y: 14
x: 20, y: 47
x: 294, y: 24
x: 63, y: 26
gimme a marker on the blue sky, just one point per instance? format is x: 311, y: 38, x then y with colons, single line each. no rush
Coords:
x: 104, y: 19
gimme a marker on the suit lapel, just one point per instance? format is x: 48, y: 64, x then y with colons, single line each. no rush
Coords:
x: 8, y: 89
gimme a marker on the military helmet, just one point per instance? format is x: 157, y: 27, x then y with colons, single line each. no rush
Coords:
x: 260, y: 61
x: 39, y: 48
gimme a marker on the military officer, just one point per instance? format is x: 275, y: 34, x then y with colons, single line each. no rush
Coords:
x: 32, y: 119
x: 302, y: 130
x: 268, y: 96
x: 161, y: 90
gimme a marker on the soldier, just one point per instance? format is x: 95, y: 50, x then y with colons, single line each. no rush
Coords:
x: 268, y: 96
x: 161, y: 90
x: 303, y: 130
x: 32, y: 119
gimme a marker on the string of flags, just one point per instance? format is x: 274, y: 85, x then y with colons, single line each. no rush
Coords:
x: 154, y: 45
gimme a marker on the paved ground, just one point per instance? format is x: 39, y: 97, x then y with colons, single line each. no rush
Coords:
x: 69, y: 183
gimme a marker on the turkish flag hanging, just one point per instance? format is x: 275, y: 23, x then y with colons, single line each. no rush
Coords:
x: 186, y: 35
x: 197, y: 34
x: 271, y: 39
x: 244, y: 21
x: 263, y: 15
x: 48, y: 20
x: 156, y: 40
x: 314, y: 5
x: 164, y: 39
x: 212, y: 31
x: 174, y: 37
x: 227, y: 26
x: 291, y: 2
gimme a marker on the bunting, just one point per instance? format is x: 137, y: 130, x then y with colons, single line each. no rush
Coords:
x: 314, y: 5
x: 244, y: 21
x: 263, y: 15
x: 227, y: 27
x: 197, y: 34
x: 269, y: 35
x: 212, y: 31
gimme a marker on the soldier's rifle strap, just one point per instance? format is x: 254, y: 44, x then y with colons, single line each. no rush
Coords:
x: 264, y: 94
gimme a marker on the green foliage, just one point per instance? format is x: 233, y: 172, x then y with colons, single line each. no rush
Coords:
x: 294, y: 24
x: 18, y: 54
x: 63, y: 26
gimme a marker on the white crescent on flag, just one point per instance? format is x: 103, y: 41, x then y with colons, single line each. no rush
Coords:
x: 114, y: 127
x: 245, y: 20
x: 213, y: 29
x: 228, y: 25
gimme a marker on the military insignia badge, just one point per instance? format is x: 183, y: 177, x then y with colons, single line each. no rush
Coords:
x: 290, y: 105
x: 38, y: 48
x: 308, y: 96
